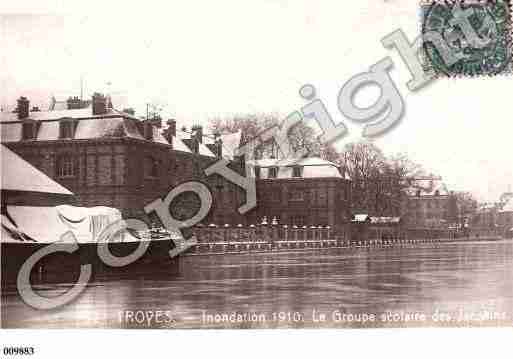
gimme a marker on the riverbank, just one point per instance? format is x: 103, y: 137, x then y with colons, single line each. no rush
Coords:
x: 263, y: 246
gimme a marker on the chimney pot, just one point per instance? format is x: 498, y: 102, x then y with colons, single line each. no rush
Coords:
x: 171, y: 126
x: 99, y: 104
x: 23, y: 107
x: 198, y: 133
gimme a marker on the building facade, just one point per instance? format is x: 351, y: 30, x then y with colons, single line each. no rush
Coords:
x: 505, y: 218
x: 110, y: 158
x: 307, y: 192
x: 427, y: 204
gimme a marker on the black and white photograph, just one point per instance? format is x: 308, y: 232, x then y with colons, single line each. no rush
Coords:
x: 237, y: 166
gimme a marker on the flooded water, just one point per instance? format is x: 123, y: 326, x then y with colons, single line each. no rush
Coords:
x: 446, y: 284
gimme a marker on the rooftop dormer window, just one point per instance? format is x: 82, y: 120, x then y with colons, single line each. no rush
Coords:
x: 29, y: 131
x: 273, y: 172
x: 437, y: 193
x: 297, y: 171
x: 67, y: 128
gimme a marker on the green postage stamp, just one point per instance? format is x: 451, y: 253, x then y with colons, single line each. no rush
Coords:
x: 467, y: 37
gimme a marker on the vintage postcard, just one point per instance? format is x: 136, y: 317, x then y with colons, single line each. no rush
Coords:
x: 257, y: 165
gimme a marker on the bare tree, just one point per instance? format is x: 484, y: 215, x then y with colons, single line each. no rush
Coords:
x: 379, y: 182
x: 300, y: 136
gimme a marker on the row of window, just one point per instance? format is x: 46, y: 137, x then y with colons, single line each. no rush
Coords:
x: 66, y: 166
x: 66, y: 129
x: 419, y: 193
x: 272, y: 172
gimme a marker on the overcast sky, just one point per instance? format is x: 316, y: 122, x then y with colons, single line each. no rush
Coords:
x: 200, y: 59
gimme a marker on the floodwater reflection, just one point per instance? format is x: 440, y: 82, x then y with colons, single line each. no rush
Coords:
x: 449, y: 284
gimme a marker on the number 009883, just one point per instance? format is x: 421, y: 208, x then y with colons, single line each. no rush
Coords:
x: 11, y: 351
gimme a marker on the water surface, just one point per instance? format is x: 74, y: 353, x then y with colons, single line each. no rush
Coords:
x: 446, y: 284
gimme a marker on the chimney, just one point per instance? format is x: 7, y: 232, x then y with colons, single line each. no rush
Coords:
x: 219, y: 144
x: 170, y: 131
x: 171, y: 125
x: 197, y: 132
x: 74, y: 103
x: 23, y: 107
x: 99, y: 104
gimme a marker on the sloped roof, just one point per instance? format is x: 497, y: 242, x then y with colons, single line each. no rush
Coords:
x: 313, y: 167
x: 231, y: 142
x: 508, y: 207
x: 289, y: 162
x: 360, y: 218
x: 428, y: 187
x: 86, y: 129
x: 486, y: 207
x: 56, y: 114
x: 385, y: 220
x: 202, y: 148
x: 112, y: 124
x: 178, y: 144
x: 19, y: 175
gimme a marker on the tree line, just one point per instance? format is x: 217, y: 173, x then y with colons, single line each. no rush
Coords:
x: 379, y: 181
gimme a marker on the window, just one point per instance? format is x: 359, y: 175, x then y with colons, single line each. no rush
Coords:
x: 257, y: 171
x: 67, y: 129
x: 418, y: 193
x: 322, y: 218
x: 273, y: 172
x: 65, y: 166
x: 297, y: 171
x: 321, y: 198
x: 296, y: 195
x: 151, y: 167
x: 298, y: 220
x: 29, y: 131
x: 437, y: 193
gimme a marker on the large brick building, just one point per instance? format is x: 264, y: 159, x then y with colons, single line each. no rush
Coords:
x: 111, y: 158
x: 505, y: 217
x: 310, y: 191
x: 426, y: 204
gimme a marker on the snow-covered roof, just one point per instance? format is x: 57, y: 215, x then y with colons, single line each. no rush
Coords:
x: 231, y: 142
x: 428, y: 187
x: 19, y: 175
x: 486, y: 207
x: 312, y: 167
x: 112, y: 124
x: 385, y: 220
x: 57, y: 114
x: 202, y: 148
x: 360, y: 218
x: 177, y: 142
x: 508, y: 207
